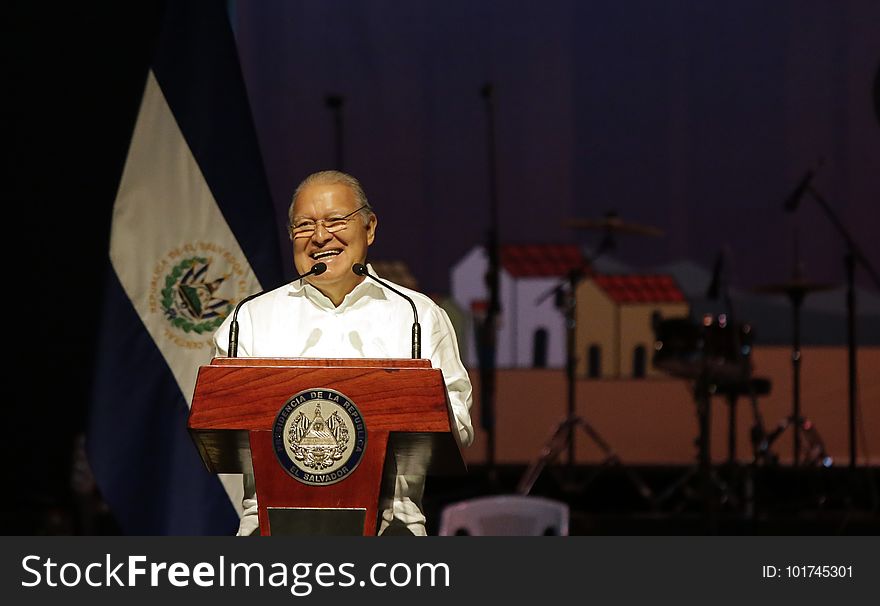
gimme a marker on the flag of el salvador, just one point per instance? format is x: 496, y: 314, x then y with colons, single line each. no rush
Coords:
x: 193, y: 231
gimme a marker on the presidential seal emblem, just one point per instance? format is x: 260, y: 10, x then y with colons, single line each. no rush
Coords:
x: 319, y: 436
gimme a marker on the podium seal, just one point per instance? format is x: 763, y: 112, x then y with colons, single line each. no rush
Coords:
x: 319, y: 436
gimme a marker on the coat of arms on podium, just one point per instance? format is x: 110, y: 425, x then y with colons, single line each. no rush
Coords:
x: 319, y: 436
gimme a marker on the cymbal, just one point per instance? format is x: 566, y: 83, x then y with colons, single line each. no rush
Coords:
x: 612, y: 222
x: 795, y: 286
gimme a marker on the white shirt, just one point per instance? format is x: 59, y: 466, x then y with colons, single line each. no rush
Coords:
x: 299, y: 321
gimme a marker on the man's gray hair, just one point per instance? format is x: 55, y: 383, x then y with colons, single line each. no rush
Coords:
x: 334, y: 177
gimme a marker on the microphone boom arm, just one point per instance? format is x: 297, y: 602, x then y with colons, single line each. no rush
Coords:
x: 232, y: 349
x: 361, y: 270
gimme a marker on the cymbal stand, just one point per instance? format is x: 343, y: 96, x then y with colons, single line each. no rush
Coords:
x: 795, y: 419
x: 802, y: 428
x: 796, y: 290
x: 562, y: 438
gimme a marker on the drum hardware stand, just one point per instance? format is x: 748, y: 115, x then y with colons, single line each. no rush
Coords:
x: 713, y: 490
x: 815, y: 454
x: 563, y: 436
x: 752, y: 388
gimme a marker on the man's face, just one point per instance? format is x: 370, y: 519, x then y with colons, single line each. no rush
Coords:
x: 339, y: 250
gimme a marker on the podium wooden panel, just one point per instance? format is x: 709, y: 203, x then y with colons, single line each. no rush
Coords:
x: 404, y: 404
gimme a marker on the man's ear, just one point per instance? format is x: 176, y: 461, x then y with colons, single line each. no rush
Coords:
x: 371, y: 228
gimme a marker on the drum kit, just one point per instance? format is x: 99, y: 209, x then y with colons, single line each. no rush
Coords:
x: 718, y: 351
x: 713, y: 353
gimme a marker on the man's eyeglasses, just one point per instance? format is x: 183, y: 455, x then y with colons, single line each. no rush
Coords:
x: 304, y: 228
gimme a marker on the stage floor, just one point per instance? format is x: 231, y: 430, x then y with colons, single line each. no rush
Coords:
x: 670, y: 500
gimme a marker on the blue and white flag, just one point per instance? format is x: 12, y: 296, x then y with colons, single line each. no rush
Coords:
x: 193, y: 232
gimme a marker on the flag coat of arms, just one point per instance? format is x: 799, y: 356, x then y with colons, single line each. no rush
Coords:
x: 193, y: 232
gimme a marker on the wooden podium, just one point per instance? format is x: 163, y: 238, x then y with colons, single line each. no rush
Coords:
x: 409, y: 429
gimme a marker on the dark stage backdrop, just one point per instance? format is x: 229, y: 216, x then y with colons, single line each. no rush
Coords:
x: 696, y: 117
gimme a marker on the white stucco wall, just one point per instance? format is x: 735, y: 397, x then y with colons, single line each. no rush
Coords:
x: 520, y: 315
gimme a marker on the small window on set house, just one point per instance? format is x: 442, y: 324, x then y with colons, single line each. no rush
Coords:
x: 594, y: 362
x: 639, y: 362
x: 539, y: 348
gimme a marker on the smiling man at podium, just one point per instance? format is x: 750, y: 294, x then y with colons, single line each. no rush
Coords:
x: 338, y: 311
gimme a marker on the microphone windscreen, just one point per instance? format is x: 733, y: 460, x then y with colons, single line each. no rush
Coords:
x: 360, y: 269
x: 318, y: 269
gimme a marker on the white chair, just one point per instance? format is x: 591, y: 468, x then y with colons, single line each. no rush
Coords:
x: 505, y: 515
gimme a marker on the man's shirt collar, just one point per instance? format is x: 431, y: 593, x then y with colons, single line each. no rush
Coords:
x: 367, y: 288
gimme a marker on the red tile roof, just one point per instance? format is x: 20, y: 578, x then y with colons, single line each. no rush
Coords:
x: 640, y: 288
x: 540, y: 260
x: 479, y: 306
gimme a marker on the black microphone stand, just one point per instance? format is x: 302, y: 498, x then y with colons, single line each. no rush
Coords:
x: 854, y: 256
x: 487, y: 329
x: 361, y: 270
x: 232, y: 349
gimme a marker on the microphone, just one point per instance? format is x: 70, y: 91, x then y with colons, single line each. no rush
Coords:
x: 361, y: 270
x: 791, y: 203
x: 232, y: 351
